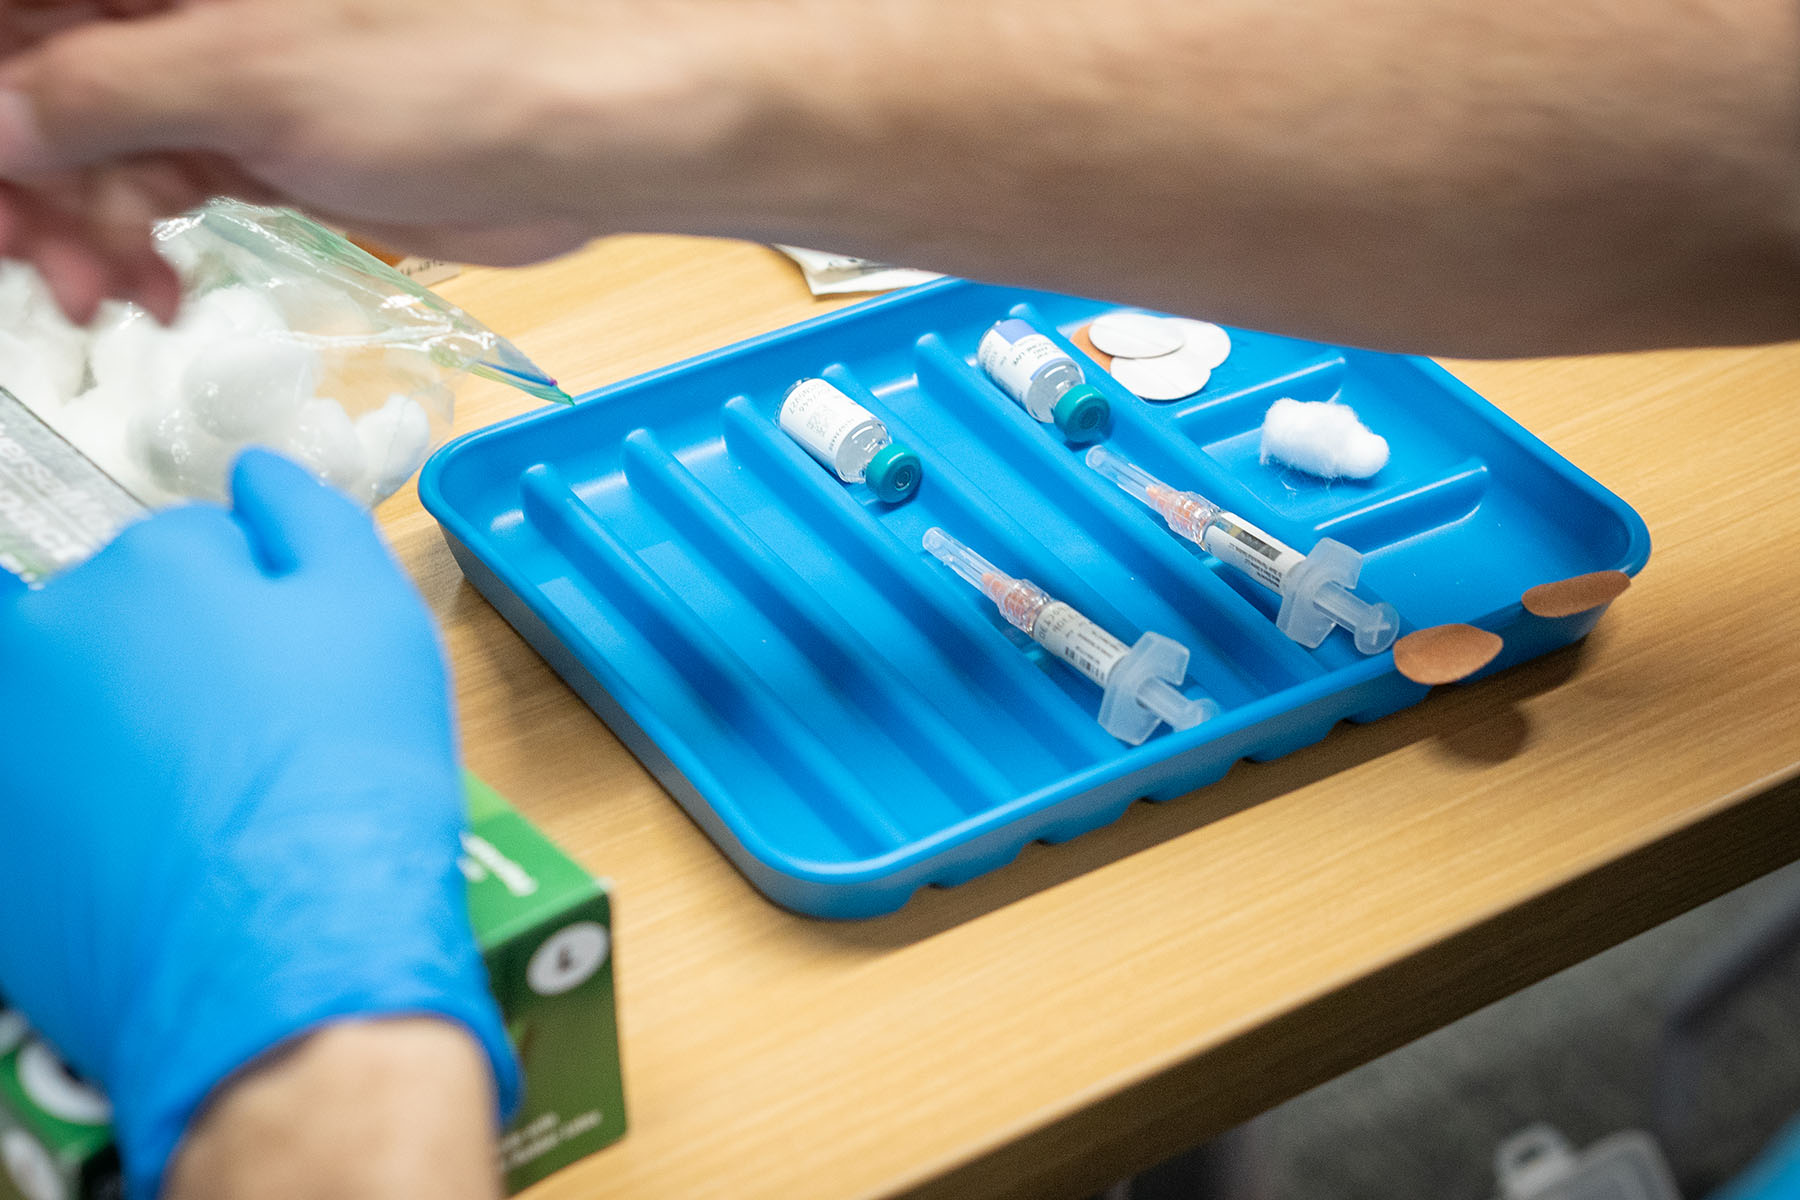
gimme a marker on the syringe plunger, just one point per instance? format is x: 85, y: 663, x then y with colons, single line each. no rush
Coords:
x: 1316, y: 596
x: 1143, y: 690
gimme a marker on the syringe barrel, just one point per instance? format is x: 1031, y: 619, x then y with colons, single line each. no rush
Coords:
x: 1081, y: 643
x: 1127, y: 474
x: 1019, y: 600
x: 1187, y: 513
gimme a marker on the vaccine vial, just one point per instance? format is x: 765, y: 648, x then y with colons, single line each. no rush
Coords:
x: 849, y: 440
x: 1049, y: 384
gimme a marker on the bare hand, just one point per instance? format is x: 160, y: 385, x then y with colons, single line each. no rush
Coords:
x: 455, y: 128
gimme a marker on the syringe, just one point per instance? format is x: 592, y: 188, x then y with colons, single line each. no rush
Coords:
x: 1142, y: 683
x: 1315, y: 589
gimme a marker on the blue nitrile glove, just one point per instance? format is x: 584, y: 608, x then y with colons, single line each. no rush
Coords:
x: 229, y: 802
x: 1774, y: 1176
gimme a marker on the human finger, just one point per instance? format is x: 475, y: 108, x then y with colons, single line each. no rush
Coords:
x: 120, y: 216
x: 292, y: 518
x: 78, y: 275
x: 82, y: 261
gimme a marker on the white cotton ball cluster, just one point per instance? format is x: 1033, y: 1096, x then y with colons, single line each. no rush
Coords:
x: 396, y: 438
x: 165, y: 411
x: 91, y: 421
x: 1323, y: 438
x: 231, y: 310
x: 226, y: 374
x: 119, y: 353
x: 19, y: 287
x: 323, y: 439
x: 249, y: 388
x: 182, y: 458
x: 42, y: 356
x: 25, y: 373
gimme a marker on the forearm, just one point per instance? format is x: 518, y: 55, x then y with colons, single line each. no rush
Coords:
x: 358, y: 1110
x: 1454, y: 176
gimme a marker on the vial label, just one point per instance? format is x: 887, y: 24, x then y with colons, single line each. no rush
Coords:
x: 824, y: 421
x: 1012, y: 353
x: 1236, y: 541
x: 1078, y: 641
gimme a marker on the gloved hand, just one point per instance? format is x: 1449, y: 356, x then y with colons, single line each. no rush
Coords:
x: 231, y: 805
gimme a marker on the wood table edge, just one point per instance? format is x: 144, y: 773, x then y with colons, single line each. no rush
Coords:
x: 1151, y: 1119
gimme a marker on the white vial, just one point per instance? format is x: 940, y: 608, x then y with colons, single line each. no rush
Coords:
x: 1049, y: 384
x: 848, y: 439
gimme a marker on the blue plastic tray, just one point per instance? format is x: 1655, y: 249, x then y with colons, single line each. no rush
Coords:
x: 846, y: 719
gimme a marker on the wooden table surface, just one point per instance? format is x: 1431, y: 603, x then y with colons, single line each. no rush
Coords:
x: 1096, y: 1006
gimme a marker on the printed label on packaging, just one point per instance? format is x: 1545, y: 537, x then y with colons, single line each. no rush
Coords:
x: 1078, y: 641
x: 56, y: 507
x: 1237, y: 542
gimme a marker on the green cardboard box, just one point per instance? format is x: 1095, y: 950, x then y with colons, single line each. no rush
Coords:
x: 545, y: 929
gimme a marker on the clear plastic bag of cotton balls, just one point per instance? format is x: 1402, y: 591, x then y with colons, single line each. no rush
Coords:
x: 288, y: 338
x: 235, y: 370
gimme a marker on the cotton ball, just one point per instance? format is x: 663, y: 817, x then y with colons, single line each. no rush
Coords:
x: 29, y: 314
x: 123, y: 340
x: 137, y: 361
x: 21, y: 291
x: 96, y: 423
x: 244, y: 388
x: 237, y: 309
x: 181, y: 458
x: 324, y: 440
x: 62, y: 348
x: 396, y: 437
x: 1323, y: 438
x: 25, y: 373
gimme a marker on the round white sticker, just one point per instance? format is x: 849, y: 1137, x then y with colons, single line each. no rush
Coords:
x: 56, y: 1091
x: 568, y: 958
x: 29, y: 1165
x: 1135, y: 335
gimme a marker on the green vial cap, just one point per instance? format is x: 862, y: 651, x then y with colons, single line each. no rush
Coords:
x: 1081, y: 413
x: 894, y: 473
